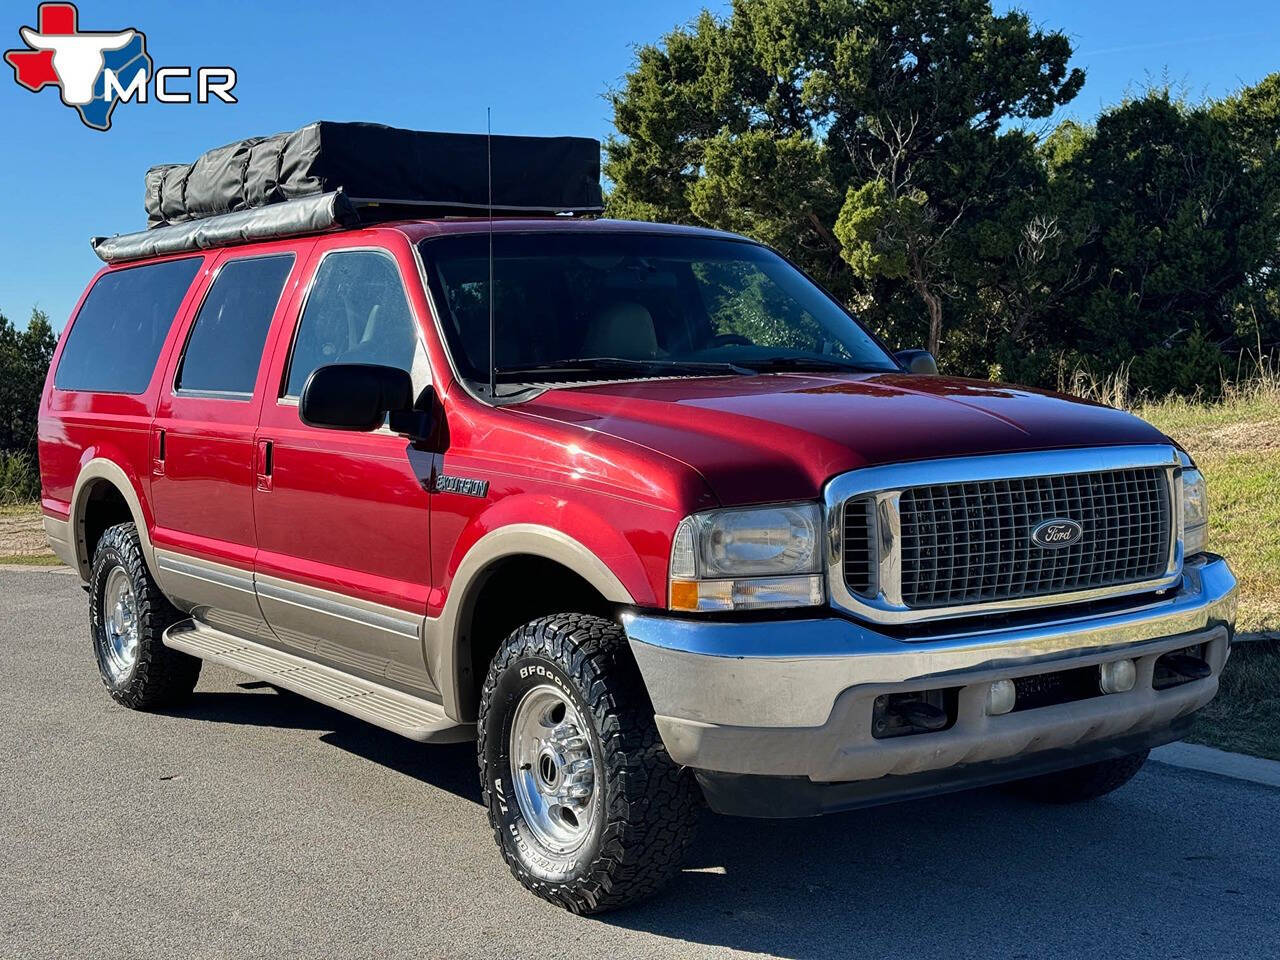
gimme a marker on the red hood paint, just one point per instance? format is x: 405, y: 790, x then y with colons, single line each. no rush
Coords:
x: 782, y: 436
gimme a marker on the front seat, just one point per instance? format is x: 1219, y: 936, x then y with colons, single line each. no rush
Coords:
x: 388, y: 339
x: 624, y: 329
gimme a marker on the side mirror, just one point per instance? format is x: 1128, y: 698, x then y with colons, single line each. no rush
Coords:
x: 918, y: 361
x: 357, y: 396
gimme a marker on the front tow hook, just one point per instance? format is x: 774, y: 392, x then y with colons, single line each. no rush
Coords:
x: 921, y: 715
x: 1185, y: 665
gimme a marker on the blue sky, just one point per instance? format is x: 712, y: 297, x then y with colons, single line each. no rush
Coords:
x: 543, y: 66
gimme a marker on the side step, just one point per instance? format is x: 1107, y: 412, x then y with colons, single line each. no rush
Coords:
x: 401, y: 713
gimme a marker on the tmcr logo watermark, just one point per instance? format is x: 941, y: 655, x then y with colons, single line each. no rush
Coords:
x: 96, y: 70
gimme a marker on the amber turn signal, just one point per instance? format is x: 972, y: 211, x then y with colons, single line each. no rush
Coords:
x: 684, y: 595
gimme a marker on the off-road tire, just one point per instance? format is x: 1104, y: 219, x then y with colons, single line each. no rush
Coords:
x: 1080, y: 783
x: 161, y: 677
x: 649, y: 805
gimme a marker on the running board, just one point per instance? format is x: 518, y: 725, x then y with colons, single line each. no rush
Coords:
x: 399, y: 712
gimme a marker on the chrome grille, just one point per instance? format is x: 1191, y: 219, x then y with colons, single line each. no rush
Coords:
x: 970, y: 543
x: 859, y: 551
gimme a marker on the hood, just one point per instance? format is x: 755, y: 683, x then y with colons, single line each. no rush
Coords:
x: 782, y: 436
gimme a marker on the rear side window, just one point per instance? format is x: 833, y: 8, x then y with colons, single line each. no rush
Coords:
x: 224, y: 349
x: 357, y: 312
x: 118, y: 333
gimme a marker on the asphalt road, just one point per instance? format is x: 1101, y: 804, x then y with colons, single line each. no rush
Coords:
x: 255, y: 824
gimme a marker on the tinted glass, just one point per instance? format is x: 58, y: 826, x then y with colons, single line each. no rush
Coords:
x: 641, y: 298
x: 118, y: 333
x: 225, y: 347
x: 356, y: 313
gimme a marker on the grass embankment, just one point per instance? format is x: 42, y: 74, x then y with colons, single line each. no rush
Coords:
x: 1237, y: 445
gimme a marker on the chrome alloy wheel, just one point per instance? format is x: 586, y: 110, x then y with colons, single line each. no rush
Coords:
x: 119, y: 624
x: 553, y: 769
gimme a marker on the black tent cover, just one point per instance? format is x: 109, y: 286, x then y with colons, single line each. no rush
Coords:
x: 387, y: 166
x: 290, y: 218
x: 340, y: 174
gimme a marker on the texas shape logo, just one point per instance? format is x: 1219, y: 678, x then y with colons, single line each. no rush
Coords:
x: 91, y: 69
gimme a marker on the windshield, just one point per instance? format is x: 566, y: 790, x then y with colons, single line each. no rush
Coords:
x: 626, y: 305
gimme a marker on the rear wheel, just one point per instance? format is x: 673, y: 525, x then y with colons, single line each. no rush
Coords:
x: 1081, y: 783
x: 127, y: 616
x: 586, y: 805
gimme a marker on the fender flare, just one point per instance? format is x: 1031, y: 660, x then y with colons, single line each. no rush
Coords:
x: 440, y: 635
x: 96, y: 470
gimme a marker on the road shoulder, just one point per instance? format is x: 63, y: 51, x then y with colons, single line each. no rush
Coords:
x: 1237, y: 766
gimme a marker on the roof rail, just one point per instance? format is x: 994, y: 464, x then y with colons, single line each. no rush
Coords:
x: 292, y: 218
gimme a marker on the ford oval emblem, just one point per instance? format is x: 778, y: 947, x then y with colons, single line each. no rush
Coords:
x: 1057, y: 533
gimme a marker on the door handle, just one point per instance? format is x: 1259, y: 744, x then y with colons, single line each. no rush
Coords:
x: 266, y: 464
x: 157, y: 461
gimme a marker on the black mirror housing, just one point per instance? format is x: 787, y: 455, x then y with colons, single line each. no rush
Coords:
x: 354, y: 396
x: 918, y: 362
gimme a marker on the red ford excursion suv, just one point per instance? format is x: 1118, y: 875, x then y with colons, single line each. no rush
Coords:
x: 693, y: 535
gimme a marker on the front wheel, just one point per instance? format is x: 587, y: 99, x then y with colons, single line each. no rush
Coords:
x: 586, y: 805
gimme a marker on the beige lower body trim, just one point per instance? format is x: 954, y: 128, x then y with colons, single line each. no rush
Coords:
x: 58, y: 533
x: 369, y: 640
x: 215, y: 593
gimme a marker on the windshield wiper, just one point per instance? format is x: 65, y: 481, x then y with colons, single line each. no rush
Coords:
x: 800, y: 363
x: 615, y: 364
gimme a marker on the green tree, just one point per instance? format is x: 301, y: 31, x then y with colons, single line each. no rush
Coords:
x: 1183, y: 207
x: 24, y: 361
x: 1252, y: 120
x: 869, y: 140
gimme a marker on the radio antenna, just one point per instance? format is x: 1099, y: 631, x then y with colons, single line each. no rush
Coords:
x: 493, y: 338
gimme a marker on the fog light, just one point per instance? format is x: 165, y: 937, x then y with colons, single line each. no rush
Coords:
x: 1001, y: 697
x: 1117, y: 677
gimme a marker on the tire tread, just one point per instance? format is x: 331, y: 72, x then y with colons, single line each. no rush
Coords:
x: 651, y: 803
x: 163, y: 677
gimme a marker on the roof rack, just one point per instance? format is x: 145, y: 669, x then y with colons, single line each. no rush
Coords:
x: 328, y: 175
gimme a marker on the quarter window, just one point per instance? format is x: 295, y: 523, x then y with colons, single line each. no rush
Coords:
x: 122, y: 324
x: 357, y: 312
x: 224, y: 349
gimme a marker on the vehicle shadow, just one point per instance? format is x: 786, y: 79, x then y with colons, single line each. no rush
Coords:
x: 450, y: 767
x: 978, y: 874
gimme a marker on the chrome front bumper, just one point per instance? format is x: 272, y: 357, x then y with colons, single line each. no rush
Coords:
x: 793, y: 698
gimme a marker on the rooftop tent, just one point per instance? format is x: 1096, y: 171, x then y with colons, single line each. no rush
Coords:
x: 354, y: 173
x: 372, y: 163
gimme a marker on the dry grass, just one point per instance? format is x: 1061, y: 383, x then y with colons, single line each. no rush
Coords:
x: 1235, y: 440
x: 1236, y: 443
x: 1255, y: 383
x: 22, y: 539
x: 1245, y: 716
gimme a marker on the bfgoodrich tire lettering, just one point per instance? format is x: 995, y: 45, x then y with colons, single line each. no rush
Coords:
x: 151, y: 676
x: 646, y: 806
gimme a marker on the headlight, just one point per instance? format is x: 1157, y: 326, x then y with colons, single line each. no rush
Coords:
x: 748, y: 559
x: 1195, y: 512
